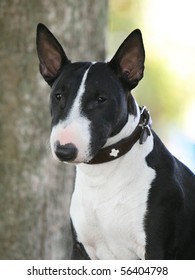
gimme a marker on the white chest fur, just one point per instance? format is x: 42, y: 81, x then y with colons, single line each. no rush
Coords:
x: 109, y: 204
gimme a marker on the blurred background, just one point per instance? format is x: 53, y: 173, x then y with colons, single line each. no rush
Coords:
x: 168, y: 87
x: 35, y: 190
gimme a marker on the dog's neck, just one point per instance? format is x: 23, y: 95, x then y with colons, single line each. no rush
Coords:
x: 143, y: 150
x: 127, y: 129
x: 124, y: 145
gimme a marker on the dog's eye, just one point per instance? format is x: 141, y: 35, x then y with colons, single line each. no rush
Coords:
x: 101, y: 99
x: 58, y: 96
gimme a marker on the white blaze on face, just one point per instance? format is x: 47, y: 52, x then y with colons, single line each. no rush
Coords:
x: 74, y: 129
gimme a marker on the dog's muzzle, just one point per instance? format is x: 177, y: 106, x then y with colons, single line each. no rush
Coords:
x: 67, y: 152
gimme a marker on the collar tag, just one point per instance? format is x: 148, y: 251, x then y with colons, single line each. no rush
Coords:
x: 145, y: 124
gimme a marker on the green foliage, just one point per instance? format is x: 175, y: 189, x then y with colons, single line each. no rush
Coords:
x: 119, y: 15
x: 162, y: 93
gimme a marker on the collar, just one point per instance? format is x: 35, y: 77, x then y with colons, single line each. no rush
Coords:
x: 141, y: 133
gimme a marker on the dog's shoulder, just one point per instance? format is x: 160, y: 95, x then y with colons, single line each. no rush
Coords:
x: 174, y: 181
x: 163, y: 161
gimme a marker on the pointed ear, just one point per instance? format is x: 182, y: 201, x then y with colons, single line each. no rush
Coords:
x: 51, y: 55
x: 128, y: 62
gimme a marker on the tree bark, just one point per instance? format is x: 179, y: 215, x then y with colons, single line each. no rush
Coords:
x: 34, y: 189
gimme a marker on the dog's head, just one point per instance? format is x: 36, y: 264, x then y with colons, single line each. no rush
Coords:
x: 89, y: 101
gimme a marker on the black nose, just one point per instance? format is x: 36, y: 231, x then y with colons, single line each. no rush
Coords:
x: 66, y: 152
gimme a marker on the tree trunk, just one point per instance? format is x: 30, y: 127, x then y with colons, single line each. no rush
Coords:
x: 34, y: 189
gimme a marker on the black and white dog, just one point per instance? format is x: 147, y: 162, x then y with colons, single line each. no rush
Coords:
x: 132, y: 198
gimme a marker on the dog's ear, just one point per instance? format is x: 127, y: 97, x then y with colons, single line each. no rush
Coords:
x: 51, y: 55
x: 128, y: 61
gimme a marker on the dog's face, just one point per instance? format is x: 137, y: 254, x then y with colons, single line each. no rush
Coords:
x: 88, y: 100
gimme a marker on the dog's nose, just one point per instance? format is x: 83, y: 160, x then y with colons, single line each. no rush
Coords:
x: 66, y: 152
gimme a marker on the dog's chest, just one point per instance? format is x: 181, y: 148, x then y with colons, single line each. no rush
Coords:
x: 108, y: 212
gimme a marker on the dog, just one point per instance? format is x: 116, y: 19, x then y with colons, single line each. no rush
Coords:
x: 132, y: 198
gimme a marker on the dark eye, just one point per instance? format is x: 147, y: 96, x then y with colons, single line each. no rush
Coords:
x: 101, y: 100
x: 58, y: 96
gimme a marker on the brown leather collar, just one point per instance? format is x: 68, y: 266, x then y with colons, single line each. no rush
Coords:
x: 141, y: 133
